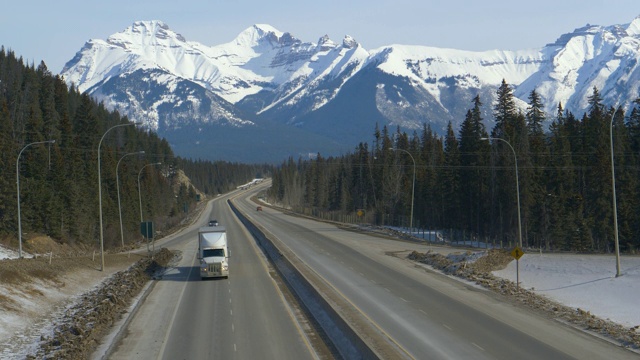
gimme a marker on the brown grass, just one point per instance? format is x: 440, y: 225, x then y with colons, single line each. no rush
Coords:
x: 12, y: 276
x: 8, y: 304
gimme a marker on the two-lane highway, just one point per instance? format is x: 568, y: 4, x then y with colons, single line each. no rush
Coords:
x: 242, y: 317
x: 429, y: 316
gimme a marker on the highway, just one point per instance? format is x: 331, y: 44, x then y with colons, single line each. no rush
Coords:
x: 425, y: 314
x: 399, y: 305
x: 242, y: 317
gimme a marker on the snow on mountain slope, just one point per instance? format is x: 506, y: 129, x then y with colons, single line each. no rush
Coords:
x: 264, y: 58
x: 593, y: 56
x: 267, y: 58
x: 144, y: 45
x: 260, y: 57
x: 151, y: 73
x: 431, y: 68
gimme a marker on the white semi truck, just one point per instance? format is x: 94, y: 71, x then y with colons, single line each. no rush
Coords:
x: 212, y: 252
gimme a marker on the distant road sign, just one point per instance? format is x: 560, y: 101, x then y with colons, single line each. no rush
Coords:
x: 146, y: 229
x: 517, y: 253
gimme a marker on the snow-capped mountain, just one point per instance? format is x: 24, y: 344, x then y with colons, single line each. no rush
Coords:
x: 267, y: 95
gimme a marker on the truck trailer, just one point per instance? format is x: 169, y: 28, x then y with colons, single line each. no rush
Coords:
x: 212, y: 252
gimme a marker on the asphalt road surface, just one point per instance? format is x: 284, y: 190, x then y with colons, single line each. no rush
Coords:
x: 426, y: 314
x: 242, y: 317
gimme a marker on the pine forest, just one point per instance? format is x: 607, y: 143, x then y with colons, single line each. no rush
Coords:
x: 50, y: 135
x: 466, y: 186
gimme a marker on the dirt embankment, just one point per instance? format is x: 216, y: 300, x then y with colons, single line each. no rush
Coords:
x: 34, y: 287
x: 479, y: 271
x: 78, y: 332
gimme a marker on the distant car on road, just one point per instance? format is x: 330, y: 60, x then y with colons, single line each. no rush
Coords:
x: 213, y: 222
x: 259, y: 208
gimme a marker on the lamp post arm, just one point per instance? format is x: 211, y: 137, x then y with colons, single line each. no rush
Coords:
x: 118, y: 191
x: 18, y: 191
x: 100, y: 192
x: 517, y: 185
x: 413, y: 187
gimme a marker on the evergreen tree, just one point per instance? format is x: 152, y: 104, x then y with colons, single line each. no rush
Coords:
x: 535, y: 198
x: 633, y: 173
x: 8, y: 205
x: 560, y: 185
x: 511, y: 128
x: 504, y: 111
x: 625, y: 178
x: 450, y: 181
x: 58, y: 181
x: 473, y: 177
x: 597, y: 191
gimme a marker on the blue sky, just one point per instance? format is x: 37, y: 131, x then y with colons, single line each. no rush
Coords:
x: 54, y: 31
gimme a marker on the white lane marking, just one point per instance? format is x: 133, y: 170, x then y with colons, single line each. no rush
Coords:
x: 404, y: 300
x: 387, y: 290
x: 175, y: 312
x: 422, y: 311
x: 447, y: 327
x: 234, y: 347
x: 361, y: 274
x: 478, y: 346
x: 233, y: 328
x: 231, y: 312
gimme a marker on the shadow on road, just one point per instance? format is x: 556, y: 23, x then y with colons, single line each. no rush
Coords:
x: 183, y: 274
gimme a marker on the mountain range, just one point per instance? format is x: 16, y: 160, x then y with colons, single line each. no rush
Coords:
x: 267, y: 95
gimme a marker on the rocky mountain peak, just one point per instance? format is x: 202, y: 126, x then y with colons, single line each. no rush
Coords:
x: 263, y: 33
x: 146, y: 33
x: 265, y: 76
x: 349, y: 42
x: 633, y: 29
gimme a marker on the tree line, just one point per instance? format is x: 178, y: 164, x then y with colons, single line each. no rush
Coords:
x: 57, y: 132
x: 466, y: 183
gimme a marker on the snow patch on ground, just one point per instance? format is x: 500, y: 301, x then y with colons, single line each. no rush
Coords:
x: 6, y: 253
x: 587, y: 282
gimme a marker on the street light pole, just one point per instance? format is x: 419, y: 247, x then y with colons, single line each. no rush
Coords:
x: 100, y: 192
x: 615, y: 206
x: 517, y: 186
x: 118, y: 188
x: 18, y: 190
x: 413, y: 187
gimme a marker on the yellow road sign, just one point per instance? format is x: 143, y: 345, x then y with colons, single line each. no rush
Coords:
x: 517, y: 253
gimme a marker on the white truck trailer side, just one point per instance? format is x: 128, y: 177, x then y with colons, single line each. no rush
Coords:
x: 213, y: 252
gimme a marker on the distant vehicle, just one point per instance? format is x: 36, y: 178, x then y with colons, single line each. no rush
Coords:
x: 213, y: 222
x: 212, y: 252
x: 259, y: 208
